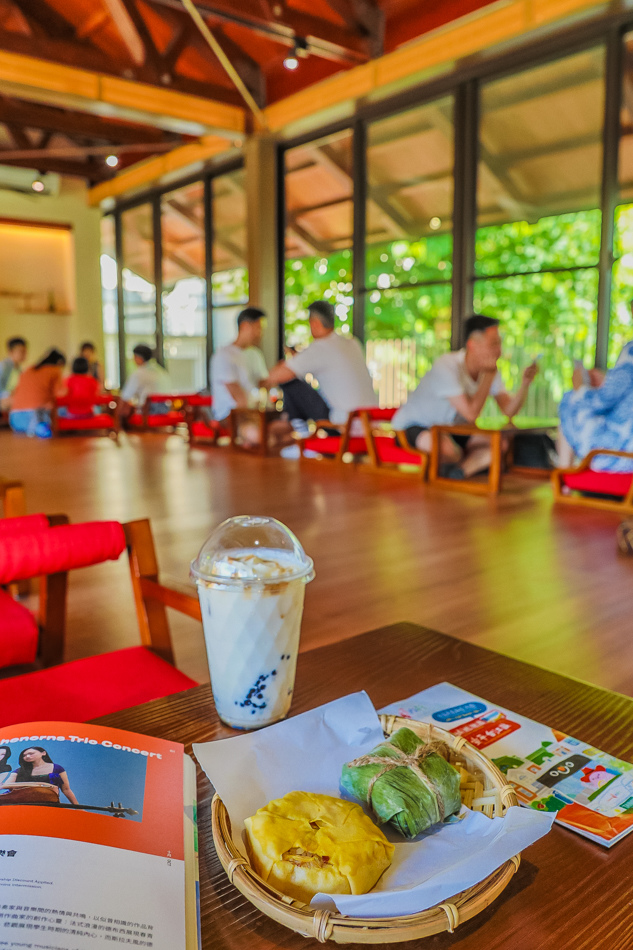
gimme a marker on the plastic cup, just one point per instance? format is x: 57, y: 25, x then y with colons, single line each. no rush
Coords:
x: 251, y: 574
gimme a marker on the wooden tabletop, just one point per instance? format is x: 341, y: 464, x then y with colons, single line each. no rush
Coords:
x: 568, y: 893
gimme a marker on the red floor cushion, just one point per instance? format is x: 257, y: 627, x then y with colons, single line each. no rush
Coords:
x: 600, y: 483
x: 94, y: 686
x: 136, y: 419
x: 18, y: 633
x: 332, y: 443
x: 101, y: 421
x: 172, y: 418
x: 389, y: 451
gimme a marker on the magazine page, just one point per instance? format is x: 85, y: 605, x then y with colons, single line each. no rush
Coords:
x: 590, y: 791
x: 91, y: 839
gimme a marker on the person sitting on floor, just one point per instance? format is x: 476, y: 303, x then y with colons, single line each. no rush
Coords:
x: 599, y: 416
x: 149, y: 378
x: 35, y: 394
x: 336, y: 362
x: 11, y: 367
x: 237, y: 372
x: 455, y: 389
x: 95, y: 369
x: 82, y: 390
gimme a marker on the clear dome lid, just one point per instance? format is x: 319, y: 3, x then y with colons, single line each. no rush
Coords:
x: 251, y: 551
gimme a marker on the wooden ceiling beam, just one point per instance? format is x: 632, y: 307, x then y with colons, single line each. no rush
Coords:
x: 178, y: 44
x: 58, y: 165
x: 18, y: 135
x: 84, y: 58
x: 325, y: 40
x: 364, y: 17
x: 49, y: 119
x: 27, y: 78
x: 43, y: 20
x: 248, y: 68
x: 134, y: 32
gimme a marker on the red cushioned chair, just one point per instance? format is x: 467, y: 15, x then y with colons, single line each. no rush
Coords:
x: 175, y: 415
x: 202, y: 429
x: 97, y: 685
x: 105, y: 420
x: 612, y: 491
x: 336, y: 446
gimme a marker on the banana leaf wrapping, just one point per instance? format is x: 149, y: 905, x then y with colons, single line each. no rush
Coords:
x: 410, y: 784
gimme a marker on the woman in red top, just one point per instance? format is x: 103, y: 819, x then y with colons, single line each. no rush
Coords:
x: 82, y: 390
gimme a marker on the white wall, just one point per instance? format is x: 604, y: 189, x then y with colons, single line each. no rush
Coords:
x: 83, y: 322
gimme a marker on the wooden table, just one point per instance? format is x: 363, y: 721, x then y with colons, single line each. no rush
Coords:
x: 260, y: 418
x: 568, y: 894
x: 495, y: 472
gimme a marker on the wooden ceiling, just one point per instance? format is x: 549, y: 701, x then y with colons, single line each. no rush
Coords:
x: 156, y: 42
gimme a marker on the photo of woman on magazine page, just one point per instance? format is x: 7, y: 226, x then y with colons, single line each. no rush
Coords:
x: 36, y: 766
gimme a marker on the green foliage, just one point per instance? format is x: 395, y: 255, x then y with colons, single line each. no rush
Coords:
x: 230, y: 286
x: 563, y: 240
x: 621, y: 328
x: 317, y: 278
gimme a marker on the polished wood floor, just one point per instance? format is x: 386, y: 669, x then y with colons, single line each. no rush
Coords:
x: 543, y: 584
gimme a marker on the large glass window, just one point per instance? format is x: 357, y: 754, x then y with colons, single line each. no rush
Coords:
x: 538, y: 237
x: 229, y: 254
x: 319, y: 232
x: 409, y: 245
x: 184, y: 287
x: 621, y: 326
x: 139, y: 288
x: 109, y: 306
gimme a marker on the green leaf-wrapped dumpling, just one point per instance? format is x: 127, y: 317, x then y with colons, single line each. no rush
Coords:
x: 414, y: 795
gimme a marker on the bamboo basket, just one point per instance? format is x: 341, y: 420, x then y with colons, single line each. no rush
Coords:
x: 483, y: 788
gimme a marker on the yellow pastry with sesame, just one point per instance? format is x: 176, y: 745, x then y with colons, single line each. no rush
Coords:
x: 305, y: 843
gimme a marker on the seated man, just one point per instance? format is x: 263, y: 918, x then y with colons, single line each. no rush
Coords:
x: 147, y: 379
x: 336, y: 362
x: 455, y: 389
x: 236, y: 371
x: 11, y: 367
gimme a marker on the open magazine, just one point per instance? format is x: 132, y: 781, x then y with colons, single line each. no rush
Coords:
x: 98, y: 842
x: 590, y: 791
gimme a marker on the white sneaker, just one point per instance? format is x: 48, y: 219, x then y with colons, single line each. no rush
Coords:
x: 290, y: 452
x: 301, y: 427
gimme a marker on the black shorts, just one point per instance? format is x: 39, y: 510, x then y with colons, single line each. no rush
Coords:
x: 412, y: 433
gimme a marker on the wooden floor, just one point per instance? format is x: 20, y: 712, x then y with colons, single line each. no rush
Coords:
x: 539, y: 583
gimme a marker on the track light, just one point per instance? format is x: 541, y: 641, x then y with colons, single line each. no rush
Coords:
x: 299, y: 51
x: 38, y: 185
x: 112, y: 161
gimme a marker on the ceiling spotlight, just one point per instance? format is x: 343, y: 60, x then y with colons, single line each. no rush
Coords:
x: 38, y: 185
x: 435, y: 224
x: 299, y: 51
x: 112, y: 161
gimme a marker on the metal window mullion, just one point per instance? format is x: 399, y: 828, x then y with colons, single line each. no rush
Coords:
x: 208, y: 268
x: 359, y: 171
x: 158, y: 278
x: 609, y: 195
x: 466, y: 125
x: 118, y: 254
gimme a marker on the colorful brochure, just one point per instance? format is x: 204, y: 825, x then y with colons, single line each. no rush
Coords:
x: 590, y: 791
x: 97, y: 840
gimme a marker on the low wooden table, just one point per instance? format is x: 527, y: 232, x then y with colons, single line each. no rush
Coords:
x: 495, y: 472
x: 568, y: 892
x: 259, y: 417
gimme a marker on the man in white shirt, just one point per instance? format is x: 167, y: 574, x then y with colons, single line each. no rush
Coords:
x: 455, y: 389
x: 148, y: 378
x: 238, y: 369
x: 336, y: 362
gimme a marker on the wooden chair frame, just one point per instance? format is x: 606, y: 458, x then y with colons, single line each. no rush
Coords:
x: 324, y: 424
x: 262, y: 418
x: 151, y: 598
x: 12, y: 498
x: 107, y: 408
x: 625, y: 505
x: 420, y: 459
x: 194, y: 414
x: 145, y: 413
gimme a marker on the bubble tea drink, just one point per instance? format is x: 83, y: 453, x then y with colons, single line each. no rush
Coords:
x: 251, y: 575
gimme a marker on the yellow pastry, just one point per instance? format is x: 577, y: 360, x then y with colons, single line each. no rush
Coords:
x: 304, y: 843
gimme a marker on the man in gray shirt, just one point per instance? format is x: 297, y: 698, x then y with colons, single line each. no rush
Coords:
x: 10, y: 367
